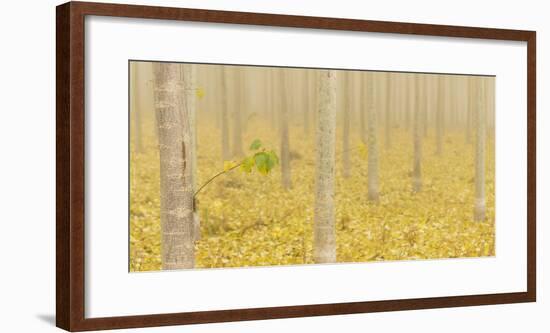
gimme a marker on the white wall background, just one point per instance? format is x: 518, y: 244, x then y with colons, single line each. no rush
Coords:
x: 27, y: 164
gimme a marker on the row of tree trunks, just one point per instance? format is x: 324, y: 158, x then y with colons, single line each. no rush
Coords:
x: 390, y: 102
x: 175, y: 90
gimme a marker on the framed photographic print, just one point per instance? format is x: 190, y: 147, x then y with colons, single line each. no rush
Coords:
x: 221, y: 166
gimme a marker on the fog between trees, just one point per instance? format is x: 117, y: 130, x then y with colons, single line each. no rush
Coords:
x: 352, y: 166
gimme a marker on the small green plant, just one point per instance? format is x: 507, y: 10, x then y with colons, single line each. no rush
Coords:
x: 259, y: 159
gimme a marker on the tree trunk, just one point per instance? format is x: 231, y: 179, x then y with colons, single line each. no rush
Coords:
x: 469, y: 112
x: 226, y: 155
x: 324, y: 215
x: 307, y: 101
x: 439, y: 115
x: 286, y: 181
x: 138, y: 141
x: 417, y: 92
x: 275, y: 102
x: 424, y: 104
x: 269, y: 98
x: 480, y: 103
x: 389, y: 109
x: 409, y: 99
x: 362, y: 109
x: 175, y: 174
x: 238, y: 104
x: 346, y: 95
x: 372, y: 141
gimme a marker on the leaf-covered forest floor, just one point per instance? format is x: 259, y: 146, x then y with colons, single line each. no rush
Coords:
x: 250, y: 220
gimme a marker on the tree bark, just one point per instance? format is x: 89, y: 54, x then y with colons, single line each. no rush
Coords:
x: 238, y: 104
x: 307, y: 101
x: 409, y: 100
x: 286, y: 180
x: 324, y: 215
x: 269, y: 97
x: 346, y: 95
x: 226, y: 155
x: 389, y: 110
x: 417, y: 92
x: 439, y: 115
x: 480, y: 103
x: 245, y: 100
x: 275, y: 102
x: 176, y: 190
x: 424, y: 104
x: 469, y: 112
x: 372, y: 141
x: 362, y: 109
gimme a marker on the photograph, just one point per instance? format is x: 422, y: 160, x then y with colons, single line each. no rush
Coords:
x: 240, y: 166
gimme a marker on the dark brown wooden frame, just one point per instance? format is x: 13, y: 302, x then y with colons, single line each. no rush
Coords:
x: 70, y: 143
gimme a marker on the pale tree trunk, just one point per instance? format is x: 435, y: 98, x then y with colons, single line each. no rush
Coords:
x: 316, y: 86
x: 189, y: 78
x: 226, y: 155
x: 424, y: 105
x: 138, y: 141
x: 307, y: 100
x: 372, y: 141
x: 439, y: 113
x: 346, y: 95
x: 417, y: 92
x: 151, y: 71
x: 274, y: 100
x: 286, y: 181
x: 238, y: 104
x: 469, y: 112
x: 403, y: 102
x: 389, y: 109
x: 324, y: 216
x: 480, y: 103
x: 452, y: 96
x: 176, y: 192
x: 490, y: 98
x: 245, y: 98
x: 362, y: 108
x: 409, y: 99
x: 269, y: 98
